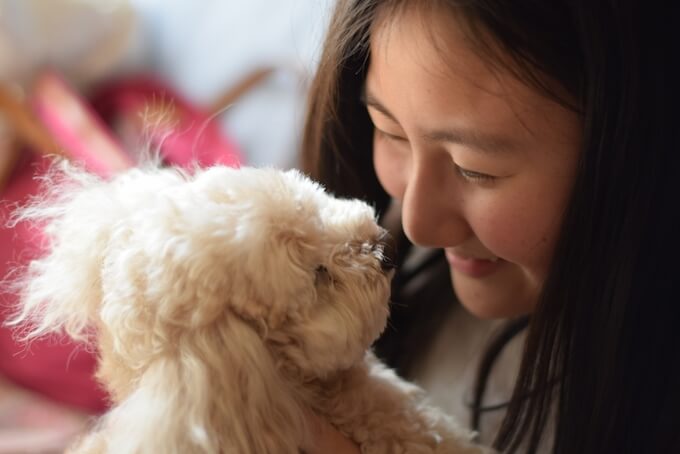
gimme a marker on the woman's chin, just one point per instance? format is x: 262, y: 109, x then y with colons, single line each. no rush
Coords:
x: 503, y: 295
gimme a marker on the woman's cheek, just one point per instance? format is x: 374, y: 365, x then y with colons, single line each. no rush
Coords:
x: 511, y: 229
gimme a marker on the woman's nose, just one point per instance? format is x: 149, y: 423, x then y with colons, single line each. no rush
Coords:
x: 432, y: 213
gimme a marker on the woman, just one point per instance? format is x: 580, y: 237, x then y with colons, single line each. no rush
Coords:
x: 531, y: 141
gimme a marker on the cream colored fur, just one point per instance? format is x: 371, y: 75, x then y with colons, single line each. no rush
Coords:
x: 223, y: 304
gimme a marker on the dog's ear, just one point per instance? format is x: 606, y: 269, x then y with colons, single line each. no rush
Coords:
x: 61, y: 290
x: 281, y: 274
x: 77, y: 215
x: 218, y: 391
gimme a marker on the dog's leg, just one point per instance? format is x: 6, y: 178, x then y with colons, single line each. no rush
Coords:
x: 387, y: 415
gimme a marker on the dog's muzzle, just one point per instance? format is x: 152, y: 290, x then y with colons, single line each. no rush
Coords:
x: 388, y: 260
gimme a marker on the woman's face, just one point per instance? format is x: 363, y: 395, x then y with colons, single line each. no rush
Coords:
x: 483, y: 165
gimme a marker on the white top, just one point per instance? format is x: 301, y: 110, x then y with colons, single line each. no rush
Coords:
x: 448, y: 371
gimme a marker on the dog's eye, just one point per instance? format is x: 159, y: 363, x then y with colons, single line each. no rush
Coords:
x: 322, y: 275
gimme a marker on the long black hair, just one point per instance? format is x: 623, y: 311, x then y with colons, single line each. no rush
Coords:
x: 602, y: 354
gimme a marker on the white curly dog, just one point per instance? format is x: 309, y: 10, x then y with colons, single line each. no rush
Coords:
x: 224, y: 304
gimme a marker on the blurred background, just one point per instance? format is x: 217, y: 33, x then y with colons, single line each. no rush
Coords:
x: 213, y: 81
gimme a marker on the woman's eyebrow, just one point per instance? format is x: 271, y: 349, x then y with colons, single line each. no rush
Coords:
x: 371, y: 101
x: 473, y: 138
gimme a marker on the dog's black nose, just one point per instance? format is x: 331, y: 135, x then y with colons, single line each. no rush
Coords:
x: 388, y: 261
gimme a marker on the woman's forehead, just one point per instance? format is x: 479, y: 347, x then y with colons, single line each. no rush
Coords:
x: 433, y: 55
x: 444, y: 33
x: 435, y: 41
x: 445, y: 84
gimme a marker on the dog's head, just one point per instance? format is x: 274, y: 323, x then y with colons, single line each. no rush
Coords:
x: 308, y: 272
x: 158, y: 258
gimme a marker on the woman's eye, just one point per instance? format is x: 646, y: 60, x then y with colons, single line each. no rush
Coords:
x: 389, y: 136
x: 476, y: 177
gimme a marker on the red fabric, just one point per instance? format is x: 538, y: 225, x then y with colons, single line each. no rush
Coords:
x: 53, y: 367
x: 57, y: 368
x: 183, y: 132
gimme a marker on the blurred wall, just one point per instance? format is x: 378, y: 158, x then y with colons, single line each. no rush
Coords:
x: 201, y: 47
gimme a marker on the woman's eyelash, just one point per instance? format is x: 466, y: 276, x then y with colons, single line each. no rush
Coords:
x: 474, y: 176
x: 389, y: 136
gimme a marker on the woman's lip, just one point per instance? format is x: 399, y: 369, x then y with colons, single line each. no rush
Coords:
x: 471, y: 266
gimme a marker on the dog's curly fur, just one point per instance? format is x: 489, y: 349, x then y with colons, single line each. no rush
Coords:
x: 224, y: 304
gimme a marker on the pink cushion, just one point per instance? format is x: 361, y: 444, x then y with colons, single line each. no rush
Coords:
x: 52, y: 367
x: 190, y: 135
